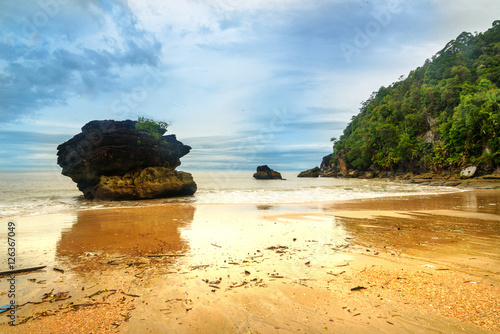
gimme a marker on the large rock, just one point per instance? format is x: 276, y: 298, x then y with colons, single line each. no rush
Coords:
x: 151, y: 182
x: 265, y: 173
x: 112, y: 150
x: 313, y: 172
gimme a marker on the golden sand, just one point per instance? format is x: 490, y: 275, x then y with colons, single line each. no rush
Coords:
x: 401, y: 265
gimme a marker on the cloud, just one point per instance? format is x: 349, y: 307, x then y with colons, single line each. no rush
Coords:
x: 250, y: 149
x: 41, y: 65
x: 239, y: 80
x: 21, y: 149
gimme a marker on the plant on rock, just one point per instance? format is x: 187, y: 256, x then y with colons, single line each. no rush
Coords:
x: 155, y: 128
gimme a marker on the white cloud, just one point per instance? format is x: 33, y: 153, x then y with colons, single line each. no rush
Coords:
x: 218, y: 68
x: 463, y: 15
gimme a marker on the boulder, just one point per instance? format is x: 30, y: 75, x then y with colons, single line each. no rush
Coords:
x: 108, y: 151
x: 313, y: 172
x: 265, y: 173
x: 368, y: 175
x: 329, y: 173
x: 150, y: 182
x: 468, y: 172
x: 353, y: 173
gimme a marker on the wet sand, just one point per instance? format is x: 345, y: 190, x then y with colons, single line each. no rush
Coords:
x: 397, y: 265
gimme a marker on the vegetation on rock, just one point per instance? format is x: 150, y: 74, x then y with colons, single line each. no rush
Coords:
x: 155, y: 128
x: 443, y: 116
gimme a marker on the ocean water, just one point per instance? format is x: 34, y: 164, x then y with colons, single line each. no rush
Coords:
x: 26, y: 193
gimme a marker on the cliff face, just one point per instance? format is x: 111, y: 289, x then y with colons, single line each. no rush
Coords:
x: 109, y: 149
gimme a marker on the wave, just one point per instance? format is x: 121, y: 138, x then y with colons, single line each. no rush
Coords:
x: 35, y: 194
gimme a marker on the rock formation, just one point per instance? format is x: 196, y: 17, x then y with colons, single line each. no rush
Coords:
x: 326, y: 162
x: 328, y: 169
x: 112, y: 160
x: 265, y: 173
x: 313, y: 172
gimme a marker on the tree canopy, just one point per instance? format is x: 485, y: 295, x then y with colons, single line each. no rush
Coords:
x: 444, y: 115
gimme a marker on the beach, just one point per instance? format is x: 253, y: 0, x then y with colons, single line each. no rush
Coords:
x: 244, y: 167
x: 405, y: 264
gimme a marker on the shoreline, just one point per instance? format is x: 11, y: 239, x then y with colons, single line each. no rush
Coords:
x: 483, y: 182
x: 107, y: 205
x: 271, y: 268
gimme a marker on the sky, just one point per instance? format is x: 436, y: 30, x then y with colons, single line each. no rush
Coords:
x: 243, y: 82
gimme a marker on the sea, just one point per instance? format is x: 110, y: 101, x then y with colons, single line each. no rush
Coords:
x: 30, y: 192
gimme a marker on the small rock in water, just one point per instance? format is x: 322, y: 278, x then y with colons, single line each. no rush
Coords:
x: 265, y: 173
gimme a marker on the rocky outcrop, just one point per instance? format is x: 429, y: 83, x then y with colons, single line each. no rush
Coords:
x: 112, y: 160
x: 328, y: 169
x: 489, y: 181
x: 265, y: 173
x: 326, y: 162
x: 313, y: 172
x: 150, y: 182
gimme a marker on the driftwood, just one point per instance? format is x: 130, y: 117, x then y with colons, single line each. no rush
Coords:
x: 20, y: 271
x: 166, y: 255
x: 200, y: 266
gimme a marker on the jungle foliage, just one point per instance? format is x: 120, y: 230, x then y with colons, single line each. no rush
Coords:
x: 444, y: 115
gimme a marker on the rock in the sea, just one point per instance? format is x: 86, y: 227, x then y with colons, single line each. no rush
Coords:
x: 265, y: 173
x: 112, y: 160
x: 313, y: 172
x: 150, y: 182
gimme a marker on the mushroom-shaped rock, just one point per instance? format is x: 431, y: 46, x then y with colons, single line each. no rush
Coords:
x: 114, y: 160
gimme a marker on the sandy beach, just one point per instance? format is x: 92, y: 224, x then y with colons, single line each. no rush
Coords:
x: 416, y: 264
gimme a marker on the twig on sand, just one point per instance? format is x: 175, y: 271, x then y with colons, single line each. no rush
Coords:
x: 76, y: 306
x: 19, y: 271
x: 99, y: 292
x: 166, y: 255
x: 239, y: 285
x: 342, y: 265
x: 200, y: 266
x: 128, y: 294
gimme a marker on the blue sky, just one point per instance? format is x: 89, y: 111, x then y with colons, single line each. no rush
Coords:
x: 243, y: 82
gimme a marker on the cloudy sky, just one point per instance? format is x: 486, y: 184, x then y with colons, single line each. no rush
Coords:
x: 244, y: 82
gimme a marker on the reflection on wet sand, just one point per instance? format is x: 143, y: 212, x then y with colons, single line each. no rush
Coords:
x: 415, y: 264
x: 479, y: 201
x: 470, y: 242
x: 462, y: 228
x: 127, y: 231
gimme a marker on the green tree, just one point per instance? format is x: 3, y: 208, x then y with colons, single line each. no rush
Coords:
x: 155, y: 128
x: 445, y: 114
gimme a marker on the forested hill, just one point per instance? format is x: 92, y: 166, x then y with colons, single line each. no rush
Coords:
x: 445, y: 115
